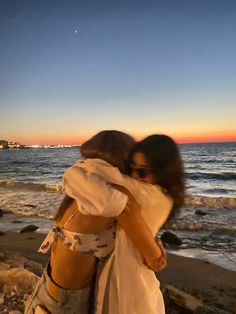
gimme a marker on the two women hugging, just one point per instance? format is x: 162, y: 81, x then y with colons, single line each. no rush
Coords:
x: 104, y: 253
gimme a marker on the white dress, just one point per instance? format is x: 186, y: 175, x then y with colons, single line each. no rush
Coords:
x: 125, y: 285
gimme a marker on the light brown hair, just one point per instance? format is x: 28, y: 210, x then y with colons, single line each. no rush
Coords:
x: 110, y: 145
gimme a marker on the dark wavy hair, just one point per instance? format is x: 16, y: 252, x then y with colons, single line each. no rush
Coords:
x: 110, y: 145
x: 165, y: 161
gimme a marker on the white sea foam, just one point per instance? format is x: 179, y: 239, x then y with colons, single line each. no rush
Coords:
x: 31, y: 186
x: 212, y: 201
x: 30, y: 203
x: 224, y: 259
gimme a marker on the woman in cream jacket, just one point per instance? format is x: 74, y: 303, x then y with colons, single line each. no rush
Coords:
x: 124, y: 283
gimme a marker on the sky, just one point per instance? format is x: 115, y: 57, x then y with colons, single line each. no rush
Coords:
x: 69, y: 69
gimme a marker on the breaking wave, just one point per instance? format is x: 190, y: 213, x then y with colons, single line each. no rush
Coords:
x: 50, y: 187
x: 211, y: 201
x: 225, y: 176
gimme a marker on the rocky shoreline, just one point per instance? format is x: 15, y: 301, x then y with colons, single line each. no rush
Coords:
x: 18, y: 277
x: 188, y: 285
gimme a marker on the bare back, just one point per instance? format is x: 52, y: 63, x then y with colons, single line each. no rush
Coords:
x: 73, y: 269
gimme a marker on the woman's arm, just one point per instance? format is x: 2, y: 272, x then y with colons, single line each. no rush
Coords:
x: 140, y: 234
x: 96, y: 197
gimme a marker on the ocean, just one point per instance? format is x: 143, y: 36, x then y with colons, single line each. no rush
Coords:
x: 31, y: 191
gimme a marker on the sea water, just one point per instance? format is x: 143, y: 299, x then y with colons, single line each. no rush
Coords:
x: 31, y: 186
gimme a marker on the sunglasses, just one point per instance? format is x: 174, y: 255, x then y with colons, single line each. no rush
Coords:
x: 141, y: 172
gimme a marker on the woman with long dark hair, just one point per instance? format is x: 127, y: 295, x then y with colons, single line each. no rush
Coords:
x: 124, y: 284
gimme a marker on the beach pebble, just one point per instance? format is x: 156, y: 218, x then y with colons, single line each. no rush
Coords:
x: 200, y: 212
x: 29, y: 228
x: 30, y: 205
x: 11, y: 302
x: 170, y: 239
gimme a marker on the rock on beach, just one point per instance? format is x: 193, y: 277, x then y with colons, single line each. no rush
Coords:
x: 16, y: 281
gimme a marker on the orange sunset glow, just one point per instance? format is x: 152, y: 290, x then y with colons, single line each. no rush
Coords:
x: 78, y: 140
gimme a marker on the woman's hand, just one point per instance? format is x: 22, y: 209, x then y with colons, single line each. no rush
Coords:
x: 158, y: 264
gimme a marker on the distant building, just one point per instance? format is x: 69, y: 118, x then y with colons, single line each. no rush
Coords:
x: 4, y: 144
x: 13, y: 144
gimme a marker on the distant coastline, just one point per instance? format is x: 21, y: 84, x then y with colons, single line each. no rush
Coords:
x: 17, y: 145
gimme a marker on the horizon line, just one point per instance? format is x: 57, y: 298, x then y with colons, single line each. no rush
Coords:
x: 178, y: 142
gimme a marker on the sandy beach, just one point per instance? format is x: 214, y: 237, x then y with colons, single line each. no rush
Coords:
x: 211, y: 284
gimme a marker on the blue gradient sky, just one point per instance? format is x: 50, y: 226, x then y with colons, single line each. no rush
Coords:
x: 69, y: 69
